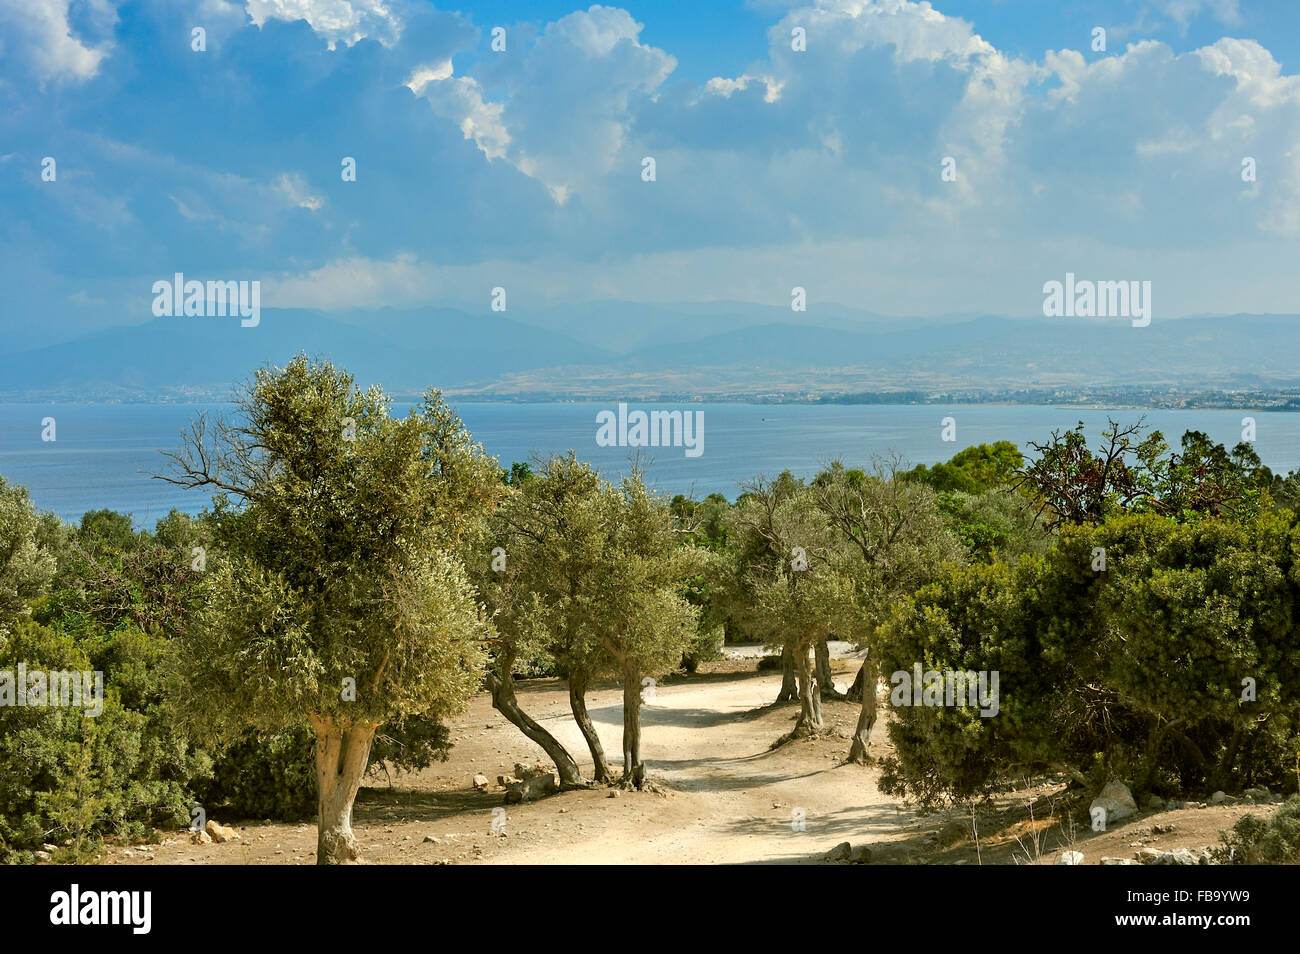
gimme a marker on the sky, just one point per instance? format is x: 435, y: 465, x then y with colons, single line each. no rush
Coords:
x: 523, y: 168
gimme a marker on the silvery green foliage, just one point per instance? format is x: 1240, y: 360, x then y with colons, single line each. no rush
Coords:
x: 341, y: 561
x: 592, y: 571
x: 26, y: 566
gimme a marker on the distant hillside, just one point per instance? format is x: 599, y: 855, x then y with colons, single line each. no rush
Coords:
x: 715, y: 348
x: 405, y: 350
x: 787, y: 345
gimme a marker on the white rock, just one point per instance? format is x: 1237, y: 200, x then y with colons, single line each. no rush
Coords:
x: 1117, y: 800
x: 1070, y: 858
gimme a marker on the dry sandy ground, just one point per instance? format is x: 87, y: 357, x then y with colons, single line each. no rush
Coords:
x: 727, y: 797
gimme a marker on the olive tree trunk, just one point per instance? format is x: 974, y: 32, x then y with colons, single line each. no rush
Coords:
x: 789, y: 686
x: 810, y: 703
x: 578, y: 681
x: 342, y: 751
x: 504, y: 701
x: 867, y: 717
x: 633, y: 767
x: 825, y: 678
x: 855, y: 690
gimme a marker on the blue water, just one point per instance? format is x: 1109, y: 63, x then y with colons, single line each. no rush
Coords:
x: 104, y: 455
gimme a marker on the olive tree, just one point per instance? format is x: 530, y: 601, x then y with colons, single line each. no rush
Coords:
x: 591, y: 576
x: 796, y: 575
x: 336, y: 599
x: 26, y: 564
x: 898, y: 541
x: 640, y: 614
x: 537, y: 564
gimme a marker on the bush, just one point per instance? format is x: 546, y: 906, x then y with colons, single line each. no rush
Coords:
x: 273, y: 774
x: 69, y: 777
x: 66, y: 776
x: 414, y: 745
x: 704, y: 647
x: 263, y: 775
x: 1134, y: 671
x: 1254, y: 841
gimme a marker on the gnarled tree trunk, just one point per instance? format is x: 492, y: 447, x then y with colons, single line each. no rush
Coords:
x: 342, y: 751
x: 633, y: 767
x: 867, y: 717
x: 810, y: 703
x: 855, y: 691
x: 503, y: 700
x: 578, y: 680
x: 825, y: 678
x: 789, y: 686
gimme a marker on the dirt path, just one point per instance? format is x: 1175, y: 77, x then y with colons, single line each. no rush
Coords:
x: 730, y: 798
x: 727, y: 796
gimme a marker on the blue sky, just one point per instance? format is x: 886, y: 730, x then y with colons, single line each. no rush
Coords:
x: 775, y: 167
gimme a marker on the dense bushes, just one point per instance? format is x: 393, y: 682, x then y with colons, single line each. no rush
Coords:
x: 263, y: 775
x: 68, y: 777
x: 113, y: 602
x: 1140, y: 670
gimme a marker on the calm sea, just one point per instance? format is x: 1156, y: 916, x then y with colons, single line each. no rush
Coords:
x: 105, y: 455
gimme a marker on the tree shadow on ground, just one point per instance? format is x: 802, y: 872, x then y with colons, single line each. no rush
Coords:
x: 377, y: 806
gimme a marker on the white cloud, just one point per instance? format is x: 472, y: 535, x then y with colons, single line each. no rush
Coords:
x: 40, y: 34
x: 460, y: 98
x: 566, y: 111
x: 294, y: 188
x: 725, y: 87
x: 346, y: 20
x: 1259, y: 76
x: 425, y: 75
x: 1185, y: 11
x: 355, y: 282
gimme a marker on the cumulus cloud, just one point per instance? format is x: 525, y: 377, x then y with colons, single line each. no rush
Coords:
x: 461, y: 99
x: 565, y: 113
x: 346, y: 20
x: 41, y: 35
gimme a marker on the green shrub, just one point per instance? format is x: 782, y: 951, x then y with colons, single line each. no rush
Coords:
x: 1254, y: 841
x: 66, y: 776
x: 273, y: 774
x: 1135, y: 671
x: 409, y: 747
x: 706, y: 646
x: 263, y: 775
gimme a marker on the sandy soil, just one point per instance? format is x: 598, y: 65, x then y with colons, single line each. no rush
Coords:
x: 726, y: 797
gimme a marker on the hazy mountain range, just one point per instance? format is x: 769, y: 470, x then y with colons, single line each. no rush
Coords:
x: 716, y: 349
